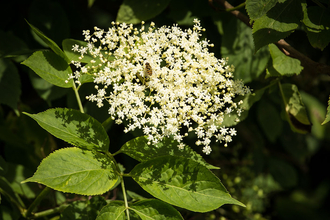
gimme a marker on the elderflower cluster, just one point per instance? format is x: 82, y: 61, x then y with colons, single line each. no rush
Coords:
x: 183, y: 89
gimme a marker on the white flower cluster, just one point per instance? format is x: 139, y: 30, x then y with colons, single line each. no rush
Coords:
x: 161, y: 80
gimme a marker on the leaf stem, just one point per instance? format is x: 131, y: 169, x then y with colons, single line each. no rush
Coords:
x: 125, y: 197
x: 75, y: 89
x: 36, y: 202
x: 242, y: 5
x: 51, y: 211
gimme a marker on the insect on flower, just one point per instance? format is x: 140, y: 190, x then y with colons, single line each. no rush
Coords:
x: 147, y: 70
x: 147, y: 73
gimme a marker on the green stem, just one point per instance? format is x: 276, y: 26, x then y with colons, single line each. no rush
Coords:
x: 125, y: 197
x: 50, y: 211
x: 282, y: 94
x: 118, y: 152
x: 75, y: 89
x: 36, y: 202
x: 236, y: 7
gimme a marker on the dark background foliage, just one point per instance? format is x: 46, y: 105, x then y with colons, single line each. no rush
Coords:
x: 277, y: 173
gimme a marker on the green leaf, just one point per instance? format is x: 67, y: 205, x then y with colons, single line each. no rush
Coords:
x: 270, y: 120
x: 53, y: 23
x: 67, y: 45
x: 182, y: 182
x: 90, y: 3
x: 316, y: 112
x: 283, y: 172
x: 3, y: 166
x: 327, y: 117
x: 258, y: 8
x: 140, y: 150
x: 83, y: 210
x: 134, y: 196
x: 74, y: 170
x: 46, y: 90
x: 11, y: 46
x: 277, y: 24
x: 50, y: 43
x: 107, y: 123
x: 271, y: 71
x: 248, y: 101
x: 17, y: 174
x: 155, y: 209
x: 283, y: 64
x: 295, y: 111
x: 114, y: 210
x: 50, y: 67
x: 7, y: 191
x: 317, y: 23
x: 237, y: 45
x: 181, y: 14
x: 10, y: 84
x: 74, y: 127
x: 133, y: 12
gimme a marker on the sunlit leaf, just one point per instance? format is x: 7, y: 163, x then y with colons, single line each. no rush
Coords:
x: 277, y: 23
x: 50, y: 67
x: 73, y: 127
x: 155, y: 209
x: 140, y: 150
x: 75, y: 170
x: 284, y: 65
x: 114, y: 210
x: 83, y: 210
x: 182, y: 182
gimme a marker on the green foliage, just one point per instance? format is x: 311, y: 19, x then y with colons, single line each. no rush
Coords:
x: 77, y: 171
x: 281, y: 64
x: 317, y: 23
x: 272, y: 167
x: 278, y: 23
x: 327, y: 118
x: 10, y: 84
x: 295, y: 112
x: 50, y: 43
x: 183, y: 183
x: 74, y: 127
x: 140, y: 150
x: 237, y: 45
x: 258, y: 8
x: 136, y: 11
x: 155, y: 209
x: 53, y: 68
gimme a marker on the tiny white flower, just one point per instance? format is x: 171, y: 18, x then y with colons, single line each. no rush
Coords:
x: 185, y: 85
